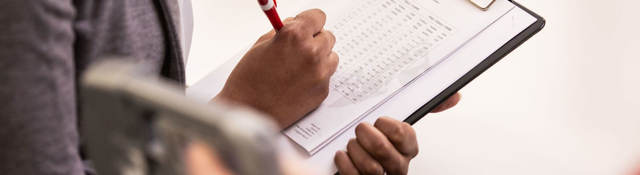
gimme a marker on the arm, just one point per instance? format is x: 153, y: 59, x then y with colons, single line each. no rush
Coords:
x: 37, y: 88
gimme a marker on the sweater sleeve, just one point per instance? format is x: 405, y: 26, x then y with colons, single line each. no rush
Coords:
x: 38, y: 128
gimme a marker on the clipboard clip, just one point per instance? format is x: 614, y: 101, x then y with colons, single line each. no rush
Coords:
x: 482, y: 4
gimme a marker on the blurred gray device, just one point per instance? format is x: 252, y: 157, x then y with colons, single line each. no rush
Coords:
x: 136, y: 123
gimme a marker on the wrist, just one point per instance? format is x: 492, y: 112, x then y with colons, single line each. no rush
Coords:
x: 238, y: 100
x: 227, y: 98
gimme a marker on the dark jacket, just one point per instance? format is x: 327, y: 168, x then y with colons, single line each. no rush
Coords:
x: 45, y: 46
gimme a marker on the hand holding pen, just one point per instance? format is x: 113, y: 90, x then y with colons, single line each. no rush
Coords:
x: 286, y: 75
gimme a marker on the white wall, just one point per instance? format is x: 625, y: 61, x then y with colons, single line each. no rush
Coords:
x: 566, y: 102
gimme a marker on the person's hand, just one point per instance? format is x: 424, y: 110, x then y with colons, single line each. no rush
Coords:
x: 387, y: 146
x: 286, y: 74
x: 448, y: 104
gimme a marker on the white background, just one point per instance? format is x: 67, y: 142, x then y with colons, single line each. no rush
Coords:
x: 565, y: 102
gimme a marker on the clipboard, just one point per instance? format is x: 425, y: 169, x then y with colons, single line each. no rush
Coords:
x: 323, y: 159
x: 401, y: 106
x: 496, y: 56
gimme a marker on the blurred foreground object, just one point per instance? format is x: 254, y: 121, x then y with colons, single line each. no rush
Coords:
x: 135, y: 123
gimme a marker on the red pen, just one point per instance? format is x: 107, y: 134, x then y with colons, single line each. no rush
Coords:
x: 269, y: 8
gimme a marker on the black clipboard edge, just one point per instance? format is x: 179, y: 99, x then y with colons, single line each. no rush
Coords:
x: 496, y: 56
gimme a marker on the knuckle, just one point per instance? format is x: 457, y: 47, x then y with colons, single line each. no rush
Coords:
x: 407, y: 126
x: 292, y: 32
x: 408, y: 129
x: 310, y: 50
x: 332, y: 63
x: 335, y: 56
x: 333, y: 66
x: 332, y: 37
x: 320, y: 76
x: 398, y: 132
x: 315, y: 51
x: 336, y: 60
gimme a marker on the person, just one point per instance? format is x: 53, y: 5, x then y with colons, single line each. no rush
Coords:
x: 45, y: 46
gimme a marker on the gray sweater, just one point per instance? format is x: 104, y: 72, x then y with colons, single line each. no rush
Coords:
x: 45, y: 45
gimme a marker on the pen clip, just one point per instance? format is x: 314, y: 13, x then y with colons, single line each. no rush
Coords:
x: 482, y: 4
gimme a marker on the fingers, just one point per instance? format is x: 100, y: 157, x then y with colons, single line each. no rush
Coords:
x: 326, y: 69
x: 386, y: 148
x: 326, y: 39
x: 381, y: 149
x: 344, y: 164
x: 401, y: 135
x: 322, y: 50
x: 451, y: 102
x: 311, y: 21
x: 362, y: 160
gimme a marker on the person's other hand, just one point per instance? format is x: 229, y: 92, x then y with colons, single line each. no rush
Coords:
x: 286, y: 74
x: 387, y: 146
x: 451, y: 102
